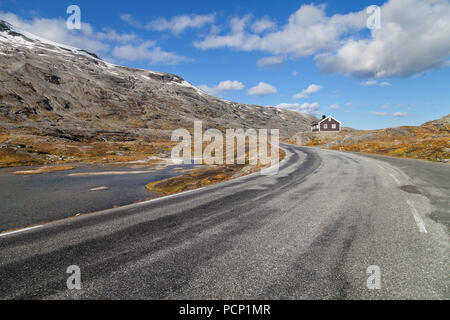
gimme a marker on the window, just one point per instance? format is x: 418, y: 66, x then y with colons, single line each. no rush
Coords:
x: 325, y: 126
x: 333, y: 126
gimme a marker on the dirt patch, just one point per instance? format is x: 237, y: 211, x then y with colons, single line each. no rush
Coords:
x: 194, y: 179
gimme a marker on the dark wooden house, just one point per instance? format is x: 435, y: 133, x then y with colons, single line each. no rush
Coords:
x: 327, y: 124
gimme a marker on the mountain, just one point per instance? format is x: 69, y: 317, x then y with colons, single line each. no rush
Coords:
x: 50, y: 89
x: 440, y: 123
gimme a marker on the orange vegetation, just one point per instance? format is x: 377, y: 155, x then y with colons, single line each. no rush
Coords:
x: 428, y: 142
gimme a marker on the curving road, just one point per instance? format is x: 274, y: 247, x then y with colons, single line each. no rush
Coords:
x: 309, y: 232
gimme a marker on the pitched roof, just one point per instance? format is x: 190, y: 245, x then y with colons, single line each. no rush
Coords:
x: 322, y: 120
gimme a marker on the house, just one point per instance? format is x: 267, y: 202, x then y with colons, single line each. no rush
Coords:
x: 327, y: 124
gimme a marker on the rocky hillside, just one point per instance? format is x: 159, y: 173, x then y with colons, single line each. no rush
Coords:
x: 49, y: 89
x: 430, y: 141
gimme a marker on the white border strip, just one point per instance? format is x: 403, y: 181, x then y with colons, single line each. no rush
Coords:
x: 417, y: 218
x: 18, y: 231
x: 395, y: 178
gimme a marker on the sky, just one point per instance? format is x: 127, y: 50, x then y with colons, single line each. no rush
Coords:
x: 371, y: 68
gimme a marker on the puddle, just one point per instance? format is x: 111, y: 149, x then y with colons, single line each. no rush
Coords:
x: 411, y: 189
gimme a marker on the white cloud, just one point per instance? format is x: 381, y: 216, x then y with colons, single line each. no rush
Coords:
x: 223, y: 86
x: 400, y: 114
x: 179, y: 24
x: 413, y: 39
x: 378, y: 113
x: 274, y: 61
x: 307, y: 32
x: 313, y: 88
x: 376, y: 83
x: 306, y: 108
x: 263, y: 24
x: 370, y: 83
x: 295, y: 73
x: 111, y: 35
x: 334, y: 107
x: 128, y: 18
x: 147, y: 51
x: 97, y: 42
x: 262, y: 89
x: 57, y: 31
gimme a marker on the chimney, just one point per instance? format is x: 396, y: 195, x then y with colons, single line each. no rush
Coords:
x: 324, y: 117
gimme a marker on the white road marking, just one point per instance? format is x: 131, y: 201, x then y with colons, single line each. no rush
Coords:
x: 381, y: 167
x: 396, y: 180
x: 99, y: 189
x: 17, y: 231
x: 417, y: 218
x: 402, y: 173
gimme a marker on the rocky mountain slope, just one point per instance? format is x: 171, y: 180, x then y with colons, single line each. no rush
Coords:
x: 49, y: 89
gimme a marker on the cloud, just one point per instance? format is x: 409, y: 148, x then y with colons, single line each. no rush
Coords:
x: 223, y: 86
x: 384, y: 113
x: 274, y: 61
x: 179, y: 24
x: 128, y: 18
x: 370, y: 83
x: 106, y: 42
x: 263, y: 24
x: 307, y: 32
x: 334, y: 107
x: 262, y: 89
x: 376, y: 83
x: 294, y: 73
x: 111, y: 35
x: 400, y: 114
x: 147, y: 51
x: 313, y: 88
x: 413, y: 39
x: 306, y: 108
x: 57, y: 31
x: 378, y: 113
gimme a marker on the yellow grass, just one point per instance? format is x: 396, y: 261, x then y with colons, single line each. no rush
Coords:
x: 30, y: 149
x: 429, y: 142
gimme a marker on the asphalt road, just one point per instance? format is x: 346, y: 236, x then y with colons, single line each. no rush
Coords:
x: 309, y: 232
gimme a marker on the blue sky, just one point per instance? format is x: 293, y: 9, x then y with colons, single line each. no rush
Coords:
x: 319, y: 58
